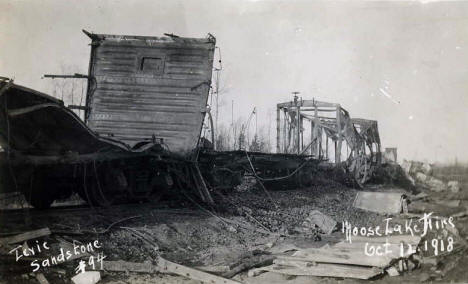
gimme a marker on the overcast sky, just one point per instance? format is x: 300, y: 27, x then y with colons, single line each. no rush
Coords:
x: 404, y: 64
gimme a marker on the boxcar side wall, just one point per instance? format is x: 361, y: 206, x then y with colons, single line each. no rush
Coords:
x: 146, y: 87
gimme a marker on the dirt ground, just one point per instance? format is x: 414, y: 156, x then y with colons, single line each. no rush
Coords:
x: 247, y: 221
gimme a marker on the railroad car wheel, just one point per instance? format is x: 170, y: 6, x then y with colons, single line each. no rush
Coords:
x: 225, y: 178
x: 85, y: 194
x: 39, y: 195
x: 159, y: 185
x: 361, y: 170
x: 41, y: 200
x: 103, y: 190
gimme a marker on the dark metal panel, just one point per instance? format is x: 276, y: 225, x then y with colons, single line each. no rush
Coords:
x: 37, y: 124
x: 149, y: 87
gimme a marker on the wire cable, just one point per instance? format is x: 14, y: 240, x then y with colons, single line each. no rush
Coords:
x: 278, y: 178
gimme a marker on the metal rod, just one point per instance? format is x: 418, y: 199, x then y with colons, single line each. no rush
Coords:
x: 76, y: 75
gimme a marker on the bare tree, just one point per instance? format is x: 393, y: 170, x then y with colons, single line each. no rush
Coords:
x: 72, y: 91
x: 260, y: 142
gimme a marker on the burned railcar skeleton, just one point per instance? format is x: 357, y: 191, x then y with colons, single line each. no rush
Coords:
x: 50, y: 153
x: 325, y: 131
x: 145, y: 106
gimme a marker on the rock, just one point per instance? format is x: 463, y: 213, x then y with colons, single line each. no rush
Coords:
x: 406, y: 166
x: 426, y: 168
x: 436, y: 184
x: 412, y: 265
x: 381, y: 202
x: 423, y: 277
x: 41, y: 278
x: 421, y: 177
x: 430, y: 261
x: 411, y: 167
x: 231, y: 229
x: 454, y: 186
x: 410, y: 179
x: 392, y: 271
x: 87, y: 277
x: 324, y: 222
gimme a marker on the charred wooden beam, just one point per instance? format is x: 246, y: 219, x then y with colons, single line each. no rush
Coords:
x: 74, y: 76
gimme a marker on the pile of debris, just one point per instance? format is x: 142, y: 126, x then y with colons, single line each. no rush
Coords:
x: 347, y: 259
x: 421, y: 174
x: 391, y: 173
x: 260, y: 236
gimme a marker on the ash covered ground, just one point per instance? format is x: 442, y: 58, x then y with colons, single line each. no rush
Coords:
x: 246, y: 221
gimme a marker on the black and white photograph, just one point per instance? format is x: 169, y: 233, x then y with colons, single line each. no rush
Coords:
x: 233, y: 141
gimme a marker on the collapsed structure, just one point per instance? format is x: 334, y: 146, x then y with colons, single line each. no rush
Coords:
x: 309, y: 126
x: 145, y: 106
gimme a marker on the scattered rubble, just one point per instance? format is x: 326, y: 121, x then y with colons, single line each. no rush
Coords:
x: 248, y: 263
x: 25, y: 236
x: 392, y: 174
x: 453, y: 186
x: 422, y: 173
x: 42, y: 280
x: 322, y: 269
x: 87, y: 277
x: 324, y: 222
x: 343, y: 260
x: 292, y: 236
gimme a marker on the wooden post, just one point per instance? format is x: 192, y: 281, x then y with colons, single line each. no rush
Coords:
x: 319, y: 130
x: 285, y: 136
x: 302, y: 134
x: 278, y: 129
x: 338, y: 128
x: 315, y: 131
x: 336, y: 150
x: 326, y: 151
x: 311, y: 136
x: 298, y: 130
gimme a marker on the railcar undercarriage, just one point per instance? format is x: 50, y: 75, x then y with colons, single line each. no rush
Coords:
x: 46, y: 160
x: 140, y: 137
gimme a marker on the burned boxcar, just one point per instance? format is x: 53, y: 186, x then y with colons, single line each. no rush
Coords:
x: 145, y: 106
x: 145, y: 88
